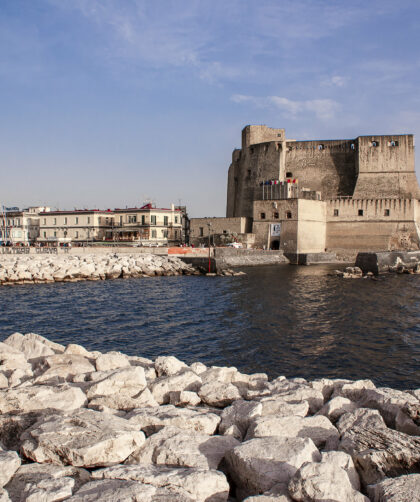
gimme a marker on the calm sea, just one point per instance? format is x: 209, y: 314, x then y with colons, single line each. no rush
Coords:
x: 283, y: 320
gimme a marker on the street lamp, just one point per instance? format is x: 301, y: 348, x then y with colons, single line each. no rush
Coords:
x: 209, y: 225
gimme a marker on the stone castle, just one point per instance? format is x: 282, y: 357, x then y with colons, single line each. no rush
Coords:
x: 323, y: 196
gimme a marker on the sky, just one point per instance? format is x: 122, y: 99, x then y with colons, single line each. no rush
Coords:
x: 113, y: 103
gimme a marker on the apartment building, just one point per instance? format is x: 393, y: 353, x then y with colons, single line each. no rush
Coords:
x: 77, y: 226
x: 149, y: 225
x: 20, y: 227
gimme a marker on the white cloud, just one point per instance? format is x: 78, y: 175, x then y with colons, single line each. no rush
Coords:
x: 321, y: 108
x: 335, y: 81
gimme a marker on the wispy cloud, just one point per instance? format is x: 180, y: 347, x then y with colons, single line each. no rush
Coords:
x: 321, y: 108
x: 335, y: 81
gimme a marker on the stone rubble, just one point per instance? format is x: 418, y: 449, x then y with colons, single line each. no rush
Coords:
x: 85, y: 426
x: 40, y: 269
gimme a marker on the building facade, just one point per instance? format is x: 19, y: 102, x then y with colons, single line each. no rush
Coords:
x: 326, y: 195
x: 20, y: 227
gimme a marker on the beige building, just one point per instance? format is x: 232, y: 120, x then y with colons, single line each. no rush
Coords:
x: 148, y: 225
x: 20, y: 227
x: 220, y: 230
x: 78, y: 226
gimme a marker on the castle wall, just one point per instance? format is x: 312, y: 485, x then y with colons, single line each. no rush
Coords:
x: 385, y: 224
x: 385, y: 166
x: 325, y: 166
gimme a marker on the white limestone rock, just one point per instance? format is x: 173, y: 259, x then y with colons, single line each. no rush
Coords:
x: 9, y: 464
x: 116, y: 490
x: 77, y: 350
x: 33, y: 345
x: 4, y: 381
x: 201, y: 485
x: 41, y: 397
x: 4, y: 496
x: 354, y: 390
x: 130, y: 381
x: 86, y: 438
x: 336, y: 407
x: 198, y: 368
x: 184, y: 398
x: 11, y: 358
x: 296, y: 392
x: 169, y: 366
x: 152, y: 420
x: 381, y: 452
x: 401, y: 489
x: 45, y: 482
x: 60, y: 368
x: 318, y: 428
x: 163, y: 386
x: 344, y: 461
x: 278, y: 493
x: 123, y: 402
x: 361, y: 417
x: 219, y: 394
x: 220, y: 374
x: 322, y: 481
x: 278, y: 406
x: 257, y: 465
x: 111, y: 361
x: 178, y: 447
x: 325, y: 385
x: 389, y: 402
x: 240, y: 414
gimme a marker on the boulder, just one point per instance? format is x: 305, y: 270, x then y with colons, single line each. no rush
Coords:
x: 168, y: 366
x: 4, y: 496
x: 111, y: 361
x: 129, y: 381
x: 163, y: 386
x: 401, y: 489
x: 40, y: 398
x: 178, y: 447
x: 30, y: 345
x: 344, y: 461
x: 117, y: 490
x: 77, y: 350
x: 198, y: 368
x: 389, y: 402
x: 362, y: 417
x: 337, y: 407
x: 318, y: 428
x: 219, y: 394
x: 60, y: 368
x: 123, y: 401
x: 323, y: 481
x: 11, y: 358
x: 12, y: 426
x: 381, y: 452
x: 45, y: 482
x: 219, y: 374
x: 4, y: 381
x: 296, y: 392
x: 354, y: 390
x: 9, y: 464
x: 85, y: 438
x: 240, y: 414
x: 201, y: 485
x: 257, y: 465
x: 184, y: 398
x: 278, y: 406
x: 152, y: 420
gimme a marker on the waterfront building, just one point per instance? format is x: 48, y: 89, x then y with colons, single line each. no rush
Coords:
x: 77, y: 226
x: 20, y: 227
x: 148, y: 225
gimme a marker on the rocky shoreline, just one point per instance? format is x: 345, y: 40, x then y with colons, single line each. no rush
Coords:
x: 89, y: 426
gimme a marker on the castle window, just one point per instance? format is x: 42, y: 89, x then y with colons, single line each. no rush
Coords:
x: 201, y: 231
x: 249, y: 173
x: 360, y: 212
x: 288, y: 215
x: 386, y: 212
x: 393, y: 143
x: 263, y: 216
x: 335, y: 212
x: 375, y: 143
x: 289, y: 175
x: 320, y: 147
x: 276, y: 216
x: 279, y: 135
x: 353, y: 146
x: 251, y: 150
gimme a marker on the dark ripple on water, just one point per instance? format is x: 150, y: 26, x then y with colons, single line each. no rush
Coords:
x: 296, y: 321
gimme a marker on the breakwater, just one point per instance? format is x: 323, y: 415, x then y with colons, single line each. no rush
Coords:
x: 84, y: 425
x: 24, y: 269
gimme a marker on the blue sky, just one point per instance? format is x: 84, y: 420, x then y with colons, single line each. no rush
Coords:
x: 106, y: 103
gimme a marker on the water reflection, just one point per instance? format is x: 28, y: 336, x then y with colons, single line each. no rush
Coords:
x: 297, y: 321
